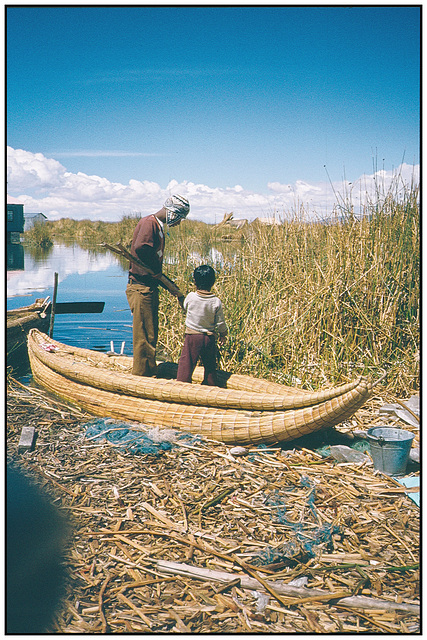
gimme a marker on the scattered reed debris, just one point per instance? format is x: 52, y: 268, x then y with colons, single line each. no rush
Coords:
x: 205, y: 538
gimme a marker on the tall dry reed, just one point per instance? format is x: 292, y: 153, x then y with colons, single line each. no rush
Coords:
x: 318, y: 303
x: 307, y: 303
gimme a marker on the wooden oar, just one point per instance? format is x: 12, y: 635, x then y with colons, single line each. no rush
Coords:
x: 76, y: 307
x: 164, y: 281
x: 45, y: 307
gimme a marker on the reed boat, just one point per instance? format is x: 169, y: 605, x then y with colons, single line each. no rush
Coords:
x: 243, y: 410
x: 18, y: 324
x: 38, y: 315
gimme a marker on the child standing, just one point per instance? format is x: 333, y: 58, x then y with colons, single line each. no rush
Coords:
x: 204, y: 316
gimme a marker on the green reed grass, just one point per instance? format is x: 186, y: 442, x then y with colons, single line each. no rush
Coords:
x: 306, y: 303
x: 39, y: 235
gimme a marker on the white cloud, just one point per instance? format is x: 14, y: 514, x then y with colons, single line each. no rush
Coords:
x: 279, y: 188
x: 26, y: 170
x: 43, y: 184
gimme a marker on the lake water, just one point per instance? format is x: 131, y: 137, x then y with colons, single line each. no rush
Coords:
x: 83, y: 276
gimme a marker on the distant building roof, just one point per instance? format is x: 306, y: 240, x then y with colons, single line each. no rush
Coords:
x: 12, y: 200
x: 269, y: 220
x: 33, y: 215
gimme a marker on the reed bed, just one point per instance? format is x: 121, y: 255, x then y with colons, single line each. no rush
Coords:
x: 202, y: 539
x: 307, y: 303
x: 311, y: 303
x: 39, y: 235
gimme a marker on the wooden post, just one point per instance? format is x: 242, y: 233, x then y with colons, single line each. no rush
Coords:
x: 52, y: 313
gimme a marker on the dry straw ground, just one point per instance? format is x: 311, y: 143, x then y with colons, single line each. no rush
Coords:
x: 179, y: 543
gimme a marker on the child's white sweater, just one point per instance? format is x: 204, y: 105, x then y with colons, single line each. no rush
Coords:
x: 204, y: 313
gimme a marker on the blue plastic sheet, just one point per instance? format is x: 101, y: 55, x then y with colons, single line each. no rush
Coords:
x: 411, y: 482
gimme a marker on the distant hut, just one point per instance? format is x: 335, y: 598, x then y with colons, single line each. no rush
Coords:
x: 30, y: 219
x: 230, y: 222
x: 14, y: 222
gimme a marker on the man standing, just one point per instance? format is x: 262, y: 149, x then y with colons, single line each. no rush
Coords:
x: 148, y: 245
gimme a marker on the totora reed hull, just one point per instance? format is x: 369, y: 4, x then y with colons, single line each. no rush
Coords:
x: 248, y: 411
x: 18, y: 324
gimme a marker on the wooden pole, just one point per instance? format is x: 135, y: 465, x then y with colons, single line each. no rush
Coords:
x: 359, y: 602
x: 52, y: 313
x: 166, y: 282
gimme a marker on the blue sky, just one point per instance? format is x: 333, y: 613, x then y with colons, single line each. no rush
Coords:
x: 109, y: 109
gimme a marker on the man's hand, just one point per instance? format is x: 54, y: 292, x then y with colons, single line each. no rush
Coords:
x: 222, y: 339
x: 181, y: 301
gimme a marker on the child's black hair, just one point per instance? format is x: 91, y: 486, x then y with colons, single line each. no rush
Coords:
x: 204, y: 277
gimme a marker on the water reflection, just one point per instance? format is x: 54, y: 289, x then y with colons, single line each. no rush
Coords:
x: 41, y: 264
x: 92, y: 275
x: 15, y: 257
x: 213, y: 257
x: 83, y: 275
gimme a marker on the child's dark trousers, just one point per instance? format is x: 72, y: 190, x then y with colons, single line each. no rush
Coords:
x: 195, y: 346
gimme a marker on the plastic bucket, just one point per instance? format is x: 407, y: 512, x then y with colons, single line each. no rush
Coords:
x: 390, y: 449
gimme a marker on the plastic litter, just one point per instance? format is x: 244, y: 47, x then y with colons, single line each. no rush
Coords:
x: 361, y: 445
x: 299, y: 582
x: 114, y: 353
x: 305, y: 482
x: 397, y: 410
x: 411, y: 482
x: 265, y: 448
x: 414, y: 455
x: 273, y: 555
x: 153, y: 442
x: 341, y: 453
x: 262, y: 600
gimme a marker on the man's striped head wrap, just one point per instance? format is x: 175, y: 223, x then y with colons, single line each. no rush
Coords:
x: 177, y: 208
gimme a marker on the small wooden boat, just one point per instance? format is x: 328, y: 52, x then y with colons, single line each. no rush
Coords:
x: 244, y: 410
x: 37, y: 315
x: 18, y: 323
